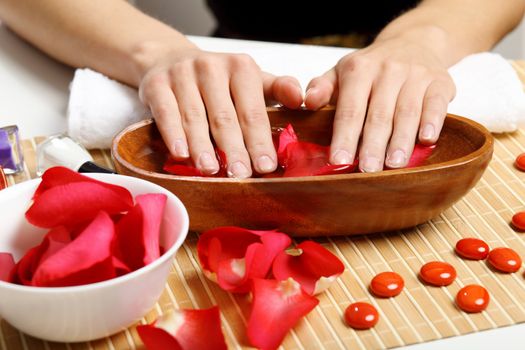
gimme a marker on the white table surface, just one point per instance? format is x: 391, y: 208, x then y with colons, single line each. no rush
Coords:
x: 34, y: 94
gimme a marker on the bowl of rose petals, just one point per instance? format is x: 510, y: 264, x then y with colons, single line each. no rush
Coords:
x: 83, y: 257
x: 307, y: 195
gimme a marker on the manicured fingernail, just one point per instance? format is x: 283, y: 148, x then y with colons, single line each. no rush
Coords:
x: 371, y: 165
x: 181, y: 148
x: 207, y: 163
x: 428, y: 132
x: 238, y: 170
x: 396, y: 159
x: 265, y: 164
x: 341, y: 157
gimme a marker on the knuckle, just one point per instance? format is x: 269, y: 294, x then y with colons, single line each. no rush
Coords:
x: 242, y: 60
x: 205, y: 63
x: 255, y: 117
x: 408, y: 111
x: 379, y: 116
x: 222, y: 119
x: 348, y: 114
x: 353, y: 62
x: 161, y: 111
x: 192, y: 114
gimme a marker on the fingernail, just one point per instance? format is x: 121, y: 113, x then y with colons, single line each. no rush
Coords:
x: 265, y: 163
x: 341, y: 157
x: 238, y: 170
x: 181, y: 148
x: 207, y: 163
x: 428, y: 132
x: 396, y: 159
x: 371, y: 165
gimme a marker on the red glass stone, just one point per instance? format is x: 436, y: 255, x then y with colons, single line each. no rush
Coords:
x: 472, y: 248
x: 472, y: 298
x: 361, y: 315
x: 505, y: 260
x: 387, y: 284
x: 518, y: 220
x: 438, y: 273
x: 520, y: 162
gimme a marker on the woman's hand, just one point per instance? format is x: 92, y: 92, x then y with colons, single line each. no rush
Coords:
x: 193, y: 93
x: 388, y: 94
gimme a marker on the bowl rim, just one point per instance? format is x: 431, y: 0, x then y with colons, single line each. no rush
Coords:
x: 488, y: 144
x: 168, y: 254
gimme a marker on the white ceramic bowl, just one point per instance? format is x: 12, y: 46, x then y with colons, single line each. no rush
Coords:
x: 82, y: 313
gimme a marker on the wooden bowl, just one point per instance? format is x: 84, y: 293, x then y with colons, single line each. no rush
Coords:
x: 318, y: 205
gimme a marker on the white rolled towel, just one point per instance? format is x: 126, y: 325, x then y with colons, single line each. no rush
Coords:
x: 488, y: 89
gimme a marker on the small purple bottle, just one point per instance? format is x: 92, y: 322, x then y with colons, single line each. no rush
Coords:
x: 11, y: 159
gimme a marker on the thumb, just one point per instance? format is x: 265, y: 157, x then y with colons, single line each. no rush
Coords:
x: 321, y: 90
x: 284, y: 90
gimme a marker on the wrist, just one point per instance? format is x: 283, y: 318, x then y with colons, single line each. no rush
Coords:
x: 146, y: 54
x: 429, y: 37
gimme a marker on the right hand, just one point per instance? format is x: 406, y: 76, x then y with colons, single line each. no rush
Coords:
x: 193, y: 93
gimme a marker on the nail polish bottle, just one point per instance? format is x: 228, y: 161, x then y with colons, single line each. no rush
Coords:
x: 11, y: 158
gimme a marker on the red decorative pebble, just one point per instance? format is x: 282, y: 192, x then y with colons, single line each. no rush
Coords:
x: 472, y: 298
x: 505, y: 259
x: 361, y: 315
x: 438, y: 273
x: 518, y: 220
x: 472, y: 248
x: 387, y: 284
x: 520, y: 162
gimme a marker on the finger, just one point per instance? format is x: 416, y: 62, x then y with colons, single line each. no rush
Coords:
x: 247, y: 91
x: 379, y: 119
x: 157, y: 94
x: 194, y: 121
x: 283, y: 90
x: 321, y: 90
x: 214, y: 86
x: 437, y: 97
x: 354, y: 89
x: 407, y: 116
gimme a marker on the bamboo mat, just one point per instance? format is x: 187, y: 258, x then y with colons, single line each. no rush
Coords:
x: 420, y: 313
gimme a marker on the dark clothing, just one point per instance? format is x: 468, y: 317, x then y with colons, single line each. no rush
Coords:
x: 291, y: 21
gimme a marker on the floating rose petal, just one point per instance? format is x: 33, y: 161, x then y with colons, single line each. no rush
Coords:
x: 231, y: 256
x: 186, y: 167
x: 7, y: 263
x: 186, y: 330
x: 420, y: 155
x: 277, y: 307
x: 87, y: 259
x: 58, y: 202
x: 137, y: 232
x: 310, y: 264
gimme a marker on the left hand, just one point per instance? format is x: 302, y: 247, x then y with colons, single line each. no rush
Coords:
x: 388, y: 93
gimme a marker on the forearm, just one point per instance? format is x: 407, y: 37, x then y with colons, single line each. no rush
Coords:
x: 107, y: 35
x: 454, y: 29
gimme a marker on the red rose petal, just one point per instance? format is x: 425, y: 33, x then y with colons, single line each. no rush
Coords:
x: 420, y: 155
x: 277, y: 307
x: 76, y: 202
x: 310, y: 264
x: 232, y: 255
x: 185, y: 329
x: 85, y: 260
x: 186, y: 167
x: 300, y: 158
x: 7, y: 263
x: 57, y: 176
x: 286, y: 137
x: 137, y: 233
